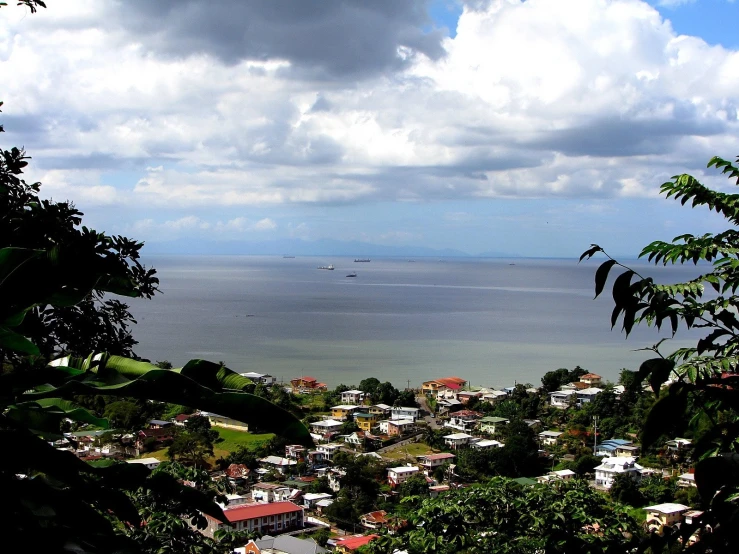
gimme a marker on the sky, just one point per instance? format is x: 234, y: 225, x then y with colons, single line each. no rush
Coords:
x: 527, y: 128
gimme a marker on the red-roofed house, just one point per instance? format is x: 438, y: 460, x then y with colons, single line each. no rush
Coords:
x: 307, y: 384
x: 435, y: 386
x: 275, y: 517
x: 374, y: 520
x: 592, y: 379
x: 346, y: 545
x: 429, y: 462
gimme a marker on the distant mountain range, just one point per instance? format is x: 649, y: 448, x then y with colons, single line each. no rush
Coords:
x: 297, y: 247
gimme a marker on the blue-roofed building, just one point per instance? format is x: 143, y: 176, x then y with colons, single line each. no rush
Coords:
x: 617, y: 447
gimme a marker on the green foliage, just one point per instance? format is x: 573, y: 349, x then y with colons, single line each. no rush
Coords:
x: 504, y: 517
x: 704, y: 388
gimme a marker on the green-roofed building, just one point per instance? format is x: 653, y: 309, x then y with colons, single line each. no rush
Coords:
x: 489, y: 424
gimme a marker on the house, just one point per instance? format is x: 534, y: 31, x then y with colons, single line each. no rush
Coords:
x: 281, y: 544
x: 463, y: 420
x: 661, y: 515
x: 234, y: 472
x: 278, y: 463
x: 433, y: 387
x: 686, y: 480
x: 549, y: 438
x: 344, y: 411
x: 374, y: 520
x: 455, y: 441
x: 355, y: 438
x: 562, y: 474
x: 150, y: 463
x: 399, y: 475
x: 591, y: 379
x: 399, y: 427
x: 465, y: 396
x: 181, y: 419
x: 262, y: 378
x: 334, y: 477
x: 262, y: 518
x: 296, y: 452
x: 327, y: 451
x: 380, y: 409
x: 365, y: 421
x: 616, y: 447
x: 429, y: 462
x: 307, y: 385
x: 612, y: 466
x: 403, y: 412
x: 489, y: 424
x: 232, y: 501
x: 326, y: 426
x: 677, y: 446
x: 347, y: 545
x: 270, y: 492
x: 561, y: 398
x: 158, y: 437
x: 352, y: 397
x: 494, y: 396
x: 159, y: 424
x: 486, y: 443
x: 436, y: 490
x: 217, y: 420
x: 587, y: 395
x: 311, y: 499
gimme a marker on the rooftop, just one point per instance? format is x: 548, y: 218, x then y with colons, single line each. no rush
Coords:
x: 352, y: 543
x: 251, y: 511
x: 590, y: 376
x: 458, y: 436
x: 403, y: 469
x: 667, y: 508
x: 440, y: 456
x: 344, y: 407
x: 353, y: 392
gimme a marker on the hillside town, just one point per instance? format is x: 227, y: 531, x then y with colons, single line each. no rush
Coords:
x: 372, y: 461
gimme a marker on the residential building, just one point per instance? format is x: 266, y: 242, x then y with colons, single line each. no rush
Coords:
x: 347, y: 545
x: 232, y: 501
x: 281, y: 544
x: 561, y: 398
x: 217, y: 420
x: 494, y: 396
x: 486, y: 443
x: 587, y: 395
x: 307, y: 384
x: 352, y: 397
x: 263, y: 518
x: 429, y: 462
x: 334, y: 478
x: 465, y: 396
x: 327, y: 451
x: 549, y: 438
x: 278, y: 463
x: 159, y: 424
x: 326, y: 426
x: 399, y: 475
x: 463, y: 420
x: 365, y: 421
x: 399, y: 427
x: 262, y: 378
x: 311, y: 499
x: 374, y: 520
x: 592, y: 379
x: 433, y: 387
x: 678, y: 446
x: 150, y: 463
x: 181, y: 419
x: 380, y: 409
x: 404, y: 412
x: 616, y: 447
x: 237, y: 472
x: 491, y: 424
x: 612, y: 466
x: 436, y: 490
x: 159, y: 437
x: 455, y: 441
x: 270, y: 492
x: 686, y: 480
x: 661, y: 515
x: 296, y: 452
x: 343, y: 412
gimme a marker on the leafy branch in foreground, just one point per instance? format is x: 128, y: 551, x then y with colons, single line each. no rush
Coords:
x: 703, y: 376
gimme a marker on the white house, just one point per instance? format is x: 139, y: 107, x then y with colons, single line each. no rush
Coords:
x: 150, y: 463
x: 311, y: 499
x: 610, y: 467
x: 489, y: 424
x: 403, y: 412
x: 463, y: 420
x: 263, y: 378
x: 661, y: 515
x: 561, y: 398
x: 270, y: 492
x: 455, y: 441
x: 327, y: 451
x: 549, y: 438
x: 686, y: 480
x: 559, y: 475
x: 587, y: 395
x: 398, y: 475
x: 486, y: 443
x: 326, y: 426
x: 355, y: 397
x: 429, y: 462
x: 282, y: 465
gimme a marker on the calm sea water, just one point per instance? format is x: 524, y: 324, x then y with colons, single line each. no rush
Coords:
x: 491, y: 321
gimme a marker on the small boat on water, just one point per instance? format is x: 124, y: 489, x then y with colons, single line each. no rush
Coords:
x: 330, y: 267
x: 352, y: 274
x: 288, y: 257
x: 362, y: 260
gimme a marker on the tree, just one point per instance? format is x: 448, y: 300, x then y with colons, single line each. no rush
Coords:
x: 192, y: 448
x: 625, y: 490
x: 123, y: 414
x: 704, y: 378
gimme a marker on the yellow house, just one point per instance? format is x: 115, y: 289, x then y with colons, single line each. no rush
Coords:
x: 662, y: 515
x: 343, y: 411
x: 365, y: 421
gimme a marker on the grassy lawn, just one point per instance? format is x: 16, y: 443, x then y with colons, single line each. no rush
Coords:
x: 232, y: 439
x: 408, y: 451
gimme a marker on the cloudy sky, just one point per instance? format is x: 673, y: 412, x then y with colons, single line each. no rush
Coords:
x: 533, y: 128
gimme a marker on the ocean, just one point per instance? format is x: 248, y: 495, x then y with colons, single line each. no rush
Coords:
x: 494, y: 322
